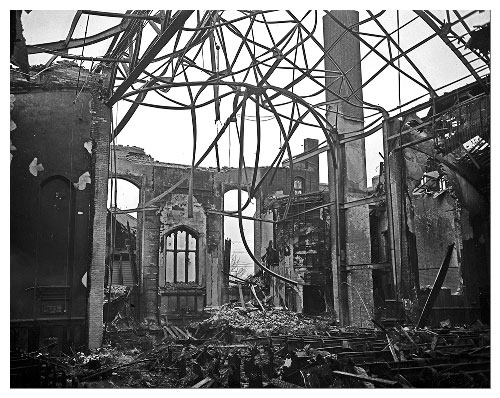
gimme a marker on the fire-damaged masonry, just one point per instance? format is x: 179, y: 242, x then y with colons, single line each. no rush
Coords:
x: 178, y: 257
x: 441, y: 200
x: 182, y: 256
x: 352, y: 285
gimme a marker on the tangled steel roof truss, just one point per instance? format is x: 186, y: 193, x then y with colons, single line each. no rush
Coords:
x: 275, y: 59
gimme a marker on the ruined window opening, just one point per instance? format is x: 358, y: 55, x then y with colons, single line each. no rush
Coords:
x: 298, y: 186
x: 180, y: 256
x: 128, y: 195
x: 240, y: 263
x: 431, y: 183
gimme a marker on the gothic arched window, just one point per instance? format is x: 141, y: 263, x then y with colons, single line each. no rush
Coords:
x: 180, y: 251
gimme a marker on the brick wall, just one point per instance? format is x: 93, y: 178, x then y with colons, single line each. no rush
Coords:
x: 100, y: 132
x: 57, y: 112
x: 209, y: 186
x: 52, y: 124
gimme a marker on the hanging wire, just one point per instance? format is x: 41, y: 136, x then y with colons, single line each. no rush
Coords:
x: 83, y: 49
x: 113, y: 204
x: 399, y: 60
x: 89, y: 75
x: 217, y: 160
x: 255, y: 68
x: 402, y: 153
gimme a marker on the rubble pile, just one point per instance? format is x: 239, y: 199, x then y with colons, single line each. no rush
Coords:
x: 261, y: 323
x: 309, y: 353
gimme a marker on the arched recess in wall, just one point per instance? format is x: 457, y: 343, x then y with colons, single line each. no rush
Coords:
x: 240, y: 263
x: 122, y: 230
x: 127, y: 194
x: 55, y: 240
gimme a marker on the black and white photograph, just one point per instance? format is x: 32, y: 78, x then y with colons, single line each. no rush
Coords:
x: 229, y: 199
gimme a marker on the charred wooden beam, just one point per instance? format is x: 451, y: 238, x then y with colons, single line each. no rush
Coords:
x: 436, y: 287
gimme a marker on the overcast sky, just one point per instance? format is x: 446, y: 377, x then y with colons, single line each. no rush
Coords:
x: 167, y: 135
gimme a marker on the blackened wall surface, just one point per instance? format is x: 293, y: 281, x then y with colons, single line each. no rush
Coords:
x: 49, y: 216
x: 178, y: 301
x: 446, y: 205
x: 302, y: 246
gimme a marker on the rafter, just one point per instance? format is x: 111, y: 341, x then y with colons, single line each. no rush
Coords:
x: 442, y: 34
x: 176, y: 24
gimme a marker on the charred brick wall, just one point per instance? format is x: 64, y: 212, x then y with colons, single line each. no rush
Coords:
x: 302, y: 247
x: 208, y: 228
x: 428, y: 220
x: 153, y: 178
x: 100, y: 132
x: 52, y: 206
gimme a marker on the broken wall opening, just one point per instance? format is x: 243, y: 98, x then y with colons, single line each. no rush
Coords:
x: 240, y: 263
x: 121, y: 233
x: 127, y: 194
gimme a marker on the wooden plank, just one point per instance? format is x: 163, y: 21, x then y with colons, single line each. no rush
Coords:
x: 252, y: 288
x: 374, y: 380
x: 436, y: 287
x: 306, y: 155
x: 167, y: 329
x: 355, y: 267
x: 189, y: 335
x: 181, y: 332
x: 391, y: 347
x: 179, y: 335
x: 200, y: 384
x: 176, y: 332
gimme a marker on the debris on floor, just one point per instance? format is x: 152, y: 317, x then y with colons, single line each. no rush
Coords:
x: 256, y: 323
x: 280, y: 349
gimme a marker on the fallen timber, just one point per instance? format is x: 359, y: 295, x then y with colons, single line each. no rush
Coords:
x: 318, y: 354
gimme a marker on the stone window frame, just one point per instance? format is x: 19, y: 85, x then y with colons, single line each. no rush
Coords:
x: 186, y: 250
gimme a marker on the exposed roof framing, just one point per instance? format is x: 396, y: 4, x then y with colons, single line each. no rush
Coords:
x: 442, y: 32
x: 152, y: 52
x: 272, y: 60
x: 266, y: 58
